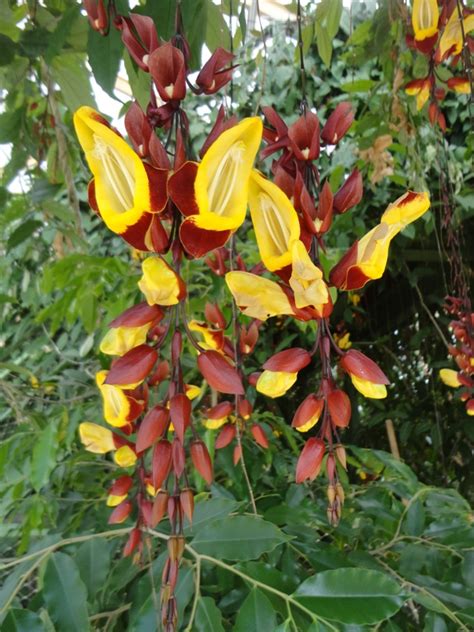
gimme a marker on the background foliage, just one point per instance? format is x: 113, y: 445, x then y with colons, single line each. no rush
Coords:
x: 403, y: 556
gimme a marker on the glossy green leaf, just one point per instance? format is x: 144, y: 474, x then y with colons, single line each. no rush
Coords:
x: 351, y: 595
x: 359, y: 85
x: 23, y: 232
x: 324, y: 43
x: 256, y: 613
x: 208, y: 616
x: 65, y: 594
x: 209, y: 510
x: 333, y: 17
x: 70, y: 72
x: 18, y: 620
x: 93, y: 561
x: 44, y: 456
x: 104, y: 55
x: 238, y: 538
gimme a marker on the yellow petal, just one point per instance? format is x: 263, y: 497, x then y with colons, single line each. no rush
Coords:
x: 452, y: 34
x: 113, y: 501
x: 369, y: 389
x: 151, y: 490
x: 159, y: 283
x: 422, y: 96
x: 125, y: 456
x: 256, y: 296
x: 214, y: 424
x: 310, y: 423
x: 211, y: 341
x: 95, y: 438
x: 222, y: 179
x: 192, y: 391
x: 306, y: 279
x: 275, y: 221
x: 121, y: 183
x: 408, y: 208
x: 116, y: 404
x: 119, y: 340
x: 275, y: 383
x: 450, y: 378
x: 425, y: 15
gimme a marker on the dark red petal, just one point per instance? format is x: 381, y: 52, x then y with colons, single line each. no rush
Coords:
x: 226, y: 436
x: 356, y: 363
x: 132, y: 367
x: 180, y: 413
x: 137, y: 316
x: 153, y: 426
x: 202, y: 461
x: 289, y: 360
x: 219, y: 374
x: 339, y: 406
x: 310, y: 460
x: 197, y: 241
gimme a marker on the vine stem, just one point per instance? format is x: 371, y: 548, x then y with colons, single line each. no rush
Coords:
x: 197, y: 594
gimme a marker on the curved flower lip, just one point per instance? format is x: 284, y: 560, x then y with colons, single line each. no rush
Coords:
x: 221, y: 184
x: 424, y: 17
x: 421, y: 88
x: 460, y: 85
x: 160, y: 284
x: 124, y: 188
x: 451, y: 41
x: 213, y: 194
x: 275, y: 221
x: 275, y: 383
x: 258, y: 297
x: 367, y: 259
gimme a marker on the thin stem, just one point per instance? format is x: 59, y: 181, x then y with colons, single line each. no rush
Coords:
x: 264, y: 62
x: 304, y: 102
x: 431, y: 317
x: 197, y: 594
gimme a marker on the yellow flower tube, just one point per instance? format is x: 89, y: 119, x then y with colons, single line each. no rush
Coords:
x: 275, y: 221
x: 275, y: 383
x: 424, y: 18
x: 452, y: 40
x: 306, y: 279
x: 222, y: 178
x: 119, y: 340
x: 160, y: 284
x: 121, y: 180
x: 256, y: 296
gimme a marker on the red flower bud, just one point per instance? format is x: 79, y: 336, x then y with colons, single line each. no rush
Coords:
x: 147, y: 41
x: 168, y: 70
x: 160, y: 505
x: 214, y: 316
x: 339, y: 406
x: 202, y: 460
x: 310, y: 409
x: 259, y: 435
x: 338, y: 123
x: 216, y: 71
x: 134, y: 539
x: 180, y: 413
x: 310, y: 460
x: 121, y: 512
x: 304, y: 137
x: 226, y: 436
x: 186, y: 498
x: 289, y: 360
x: 356, y: 363
x: 161, y: 462
x: 121, y: 486
x: 152, y: 427
x: 350, y: 193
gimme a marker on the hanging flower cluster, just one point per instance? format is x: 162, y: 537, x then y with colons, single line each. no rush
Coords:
x: 291, y: 217
x: 462, y: 352
x: 163, y: 202
x: 441, y: 33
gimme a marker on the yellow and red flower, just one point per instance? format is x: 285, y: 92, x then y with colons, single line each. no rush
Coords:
x: 451, y: 41
x: 213, y: 194
x: 119, y: 407
x: 424, y: 17
x: 125, y: 191
x: 421, y: 89
x: 274, y: 220
x: 160, y: 284
x: 367, y: 258
x: 100, y: 440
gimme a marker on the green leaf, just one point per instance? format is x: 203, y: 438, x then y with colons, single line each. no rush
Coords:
x: 210, y: 510
x: 20, y: 234
x: 256, y: 613
x: 65, y: 594
x: 93, y: 561
x: 57, y: 39
x: 105, y: 54
x: 361, y: 85
x: 351, y: 595
x: 217, y: 31
x: 238, y: 538
x: 195, y: 23
x: 163, y: 14
x: 324, y: 43
x: 415, y: 518
x: 43, y: 460
x: 139, y: 82
x: 208, y: 616
x: 70, y: 72
x: 18, y: 620
x: 10, y: 125
x: 333, y: 18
